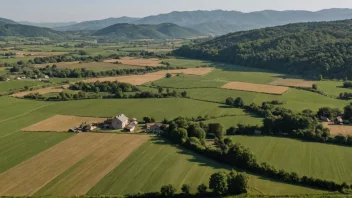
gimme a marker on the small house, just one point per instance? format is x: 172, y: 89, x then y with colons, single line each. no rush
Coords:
x: 46, y: 76
x: 324, y: 119
x: 339, y: 120
x: 131, y: 126
x: 156, y: 127
x: 119, y: 122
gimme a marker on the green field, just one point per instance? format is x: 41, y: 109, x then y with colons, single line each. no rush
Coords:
x: 228, y: 122
x: 156, y: 163
x: 318, y: 160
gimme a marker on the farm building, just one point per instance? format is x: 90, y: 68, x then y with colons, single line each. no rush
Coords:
x: 156, y: 127
x: 131, y: 126
x: 339, y: 120
x: 121, y: 122
x: 324, y: 119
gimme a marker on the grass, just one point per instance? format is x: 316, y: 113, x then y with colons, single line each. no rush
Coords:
x: 332, y: 88
x: 18, y: 84
x: 158, y: 108
x: 318, y: 160
x: 228, y: 122
x: 156, y: 163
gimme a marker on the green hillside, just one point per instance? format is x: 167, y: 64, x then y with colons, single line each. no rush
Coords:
x: 8, y: 21
x: 131, y: 31
x: 28, y: 31
x: 310, y: 49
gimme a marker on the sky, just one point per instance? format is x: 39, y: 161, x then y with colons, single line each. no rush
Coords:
x: 83, y: 10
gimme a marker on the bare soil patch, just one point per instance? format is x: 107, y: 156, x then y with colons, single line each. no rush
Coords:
x: 61, y: 123
x: 95, y: 166
x: 242, y: 86
x: 338, y: 129
x: 40, y: 91
x: 150, y: 77
x: 290, y: 82
x: 142, y: 62
x: 28, y: 177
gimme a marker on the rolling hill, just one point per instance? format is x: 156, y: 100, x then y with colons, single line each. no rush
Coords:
x: 161, y: 31
x: 8, y: 21
x: 28, y: 31
x: 311, y: 49
x: 96, y: 25
x: 48, y: 25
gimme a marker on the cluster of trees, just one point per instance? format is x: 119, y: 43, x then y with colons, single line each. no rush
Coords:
x: 221, y: 183
x: 238, y: 102
x: 191, y: 135
x: 345, y: 96
x: 106, y: 86
x: 347, y: 84
x: 63, y: 96
x: 320, y: 49
x: 82, y: 57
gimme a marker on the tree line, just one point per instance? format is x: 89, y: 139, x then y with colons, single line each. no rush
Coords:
x: 187, y: 133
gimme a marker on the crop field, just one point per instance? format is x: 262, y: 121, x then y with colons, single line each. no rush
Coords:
x: 332, y: 88
x: 336, y: 129
x: 258, y: 88
x: 155, y: 163
x: 292, y: 82
x: 38, y: 54
x: 142, y: 62
x: 18, y: 84
x: 305, y: 158
x: 40, y: 91
x: 150, y: 77
x: 61, y: 123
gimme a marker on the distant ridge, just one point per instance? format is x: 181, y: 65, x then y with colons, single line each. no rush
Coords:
x: 7, y: 29
x: 8, y: 21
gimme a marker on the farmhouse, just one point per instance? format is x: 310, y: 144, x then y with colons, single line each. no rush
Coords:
x: 121, y: 122
x: 156, y: 127
x: 324, y: 119
x: 131, y: 126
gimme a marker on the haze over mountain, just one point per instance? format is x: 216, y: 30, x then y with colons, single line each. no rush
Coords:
x: 8, y: 21
x: 48, y: 25
x: 160, y: 31
x: 220, y: 22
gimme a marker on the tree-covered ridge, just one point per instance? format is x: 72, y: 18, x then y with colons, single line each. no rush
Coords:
x: 28, y: 31
x: 161, y: 31
x: 304, y: 48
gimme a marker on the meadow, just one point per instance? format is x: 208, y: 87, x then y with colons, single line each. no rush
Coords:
x: 156, y: 163
x: 318, y: 160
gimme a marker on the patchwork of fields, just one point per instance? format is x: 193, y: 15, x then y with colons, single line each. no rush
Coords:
x: 65, y: 164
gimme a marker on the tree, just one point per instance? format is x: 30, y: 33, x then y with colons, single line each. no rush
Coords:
x: 147, y: 119
x: 216, y: 129
x: 167, y: 191
x: 229, y: 101
x: 321, y: 77
x: 82, y: 53
x: 218, y: 183
x: 315, y: 86
x: 152, y: 120
x: 202, y: 189
x: 238, y: 103
x: 237, y: 183
x: 160, y: 89
x: 348, y: 111
x: 184, y: 94
x: 186, y: 189
x: 168, y: 75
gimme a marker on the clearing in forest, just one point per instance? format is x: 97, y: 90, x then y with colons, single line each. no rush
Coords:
x: 150, y: 77
x: 290, y: 82
x: 259, y: 88
x: 40, y: 91
x: 80, y: 178
x: 336, y: 129
x: 61, y: 123
x: 142, y: 62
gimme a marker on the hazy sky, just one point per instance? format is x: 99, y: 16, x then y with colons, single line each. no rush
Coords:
x: 80, y: 10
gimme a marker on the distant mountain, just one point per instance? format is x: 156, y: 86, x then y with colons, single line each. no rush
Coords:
x: 28, y: 31
x: 96, y: 25
x: 161, y: 31
x: 48, y: 25
x: 8, y: 21
x: 223, y: 22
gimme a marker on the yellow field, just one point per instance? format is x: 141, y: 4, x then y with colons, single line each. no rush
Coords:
x: 152, y: 62
x: 61, y: 123
x: 336, y: 129
x: 290, y: 82
x: 259, y: 88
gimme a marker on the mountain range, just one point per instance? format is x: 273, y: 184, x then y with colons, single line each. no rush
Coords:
x: 48, y: 25
x: 219, y: 22
x: 14, y: 29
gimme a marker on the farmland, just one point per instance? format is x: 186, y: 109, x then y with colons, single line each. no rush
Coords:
x: 277, y: 90
x: 293, y: 82
x: 306, y: 158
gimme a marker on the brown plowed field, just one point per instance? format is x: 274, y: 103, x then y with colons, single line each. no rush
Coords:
x: 338, y: 129
x: 94, y: 167
x: 290, y: 82
x: 142, y: 62
x: 150, y: 77
x: 28, y: 177
x: 256, y: 88
x: 40, y: 91
x: 61, y: 123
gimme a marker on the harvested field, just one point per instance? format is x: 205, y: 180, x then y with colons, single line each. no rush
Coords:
x: 61, y: 123
x: 259, y: 88
x: 80, y: 178
x: 142, y: 62
x: 28, y: 177
x: 338, y: 129
x: 40, y: 91
x: 150, y: 77
x: 290, y: 82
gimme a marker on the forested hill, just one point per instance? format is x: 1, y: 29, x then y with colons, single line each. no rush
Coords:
x: 8, y: 21
x: 310, y: 49
x: 28, y: 31
x: 130, y: 31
